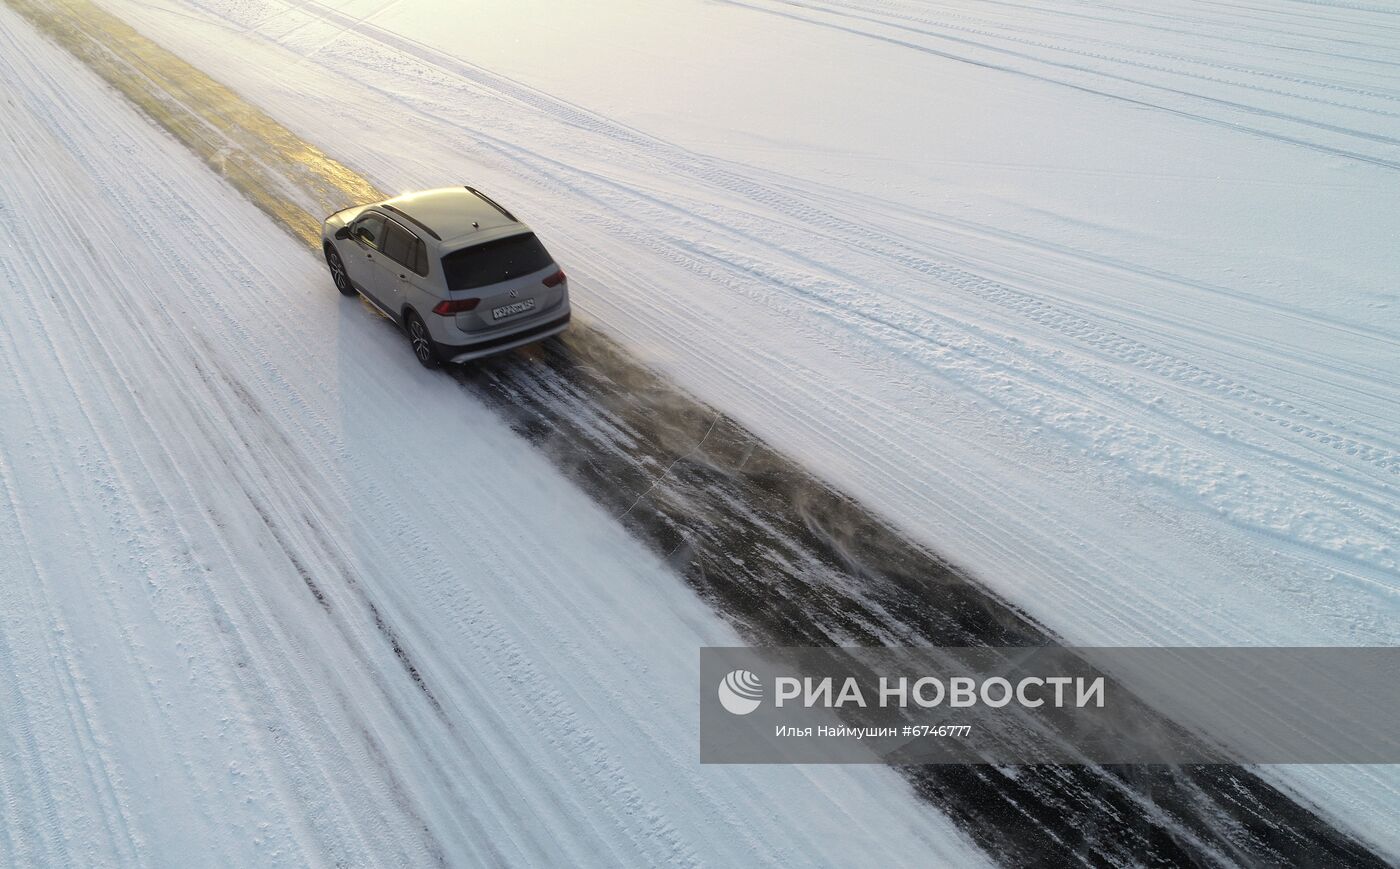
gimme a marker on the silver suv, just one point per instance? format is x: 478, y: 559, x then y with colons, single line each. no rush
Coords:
x: 459, y: 274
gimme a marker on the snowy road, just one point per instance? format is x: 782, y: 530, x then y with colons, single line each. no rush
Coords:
x: 556, y: 402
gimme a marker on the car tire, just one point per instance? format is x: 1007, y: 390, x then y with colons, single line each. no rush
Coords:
x: 424, y: 349
x: 337, y: 266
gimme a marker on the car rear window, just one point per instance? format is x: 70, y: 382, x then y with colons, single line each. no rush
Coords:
x: 494, y: 261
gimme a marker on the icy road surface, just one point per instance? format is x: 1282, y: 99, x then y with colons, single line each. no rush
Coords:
x: 191, y: 428
x: 1097, y: 299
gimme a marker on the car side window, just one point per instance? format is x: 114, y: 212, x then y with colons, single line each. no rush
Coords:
x: 420, y: 258
x: 398, y: 244
x: 370, y: 230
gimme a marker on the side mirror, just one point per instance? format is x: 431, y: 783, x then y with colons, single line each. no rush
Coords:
x: 343, y: 234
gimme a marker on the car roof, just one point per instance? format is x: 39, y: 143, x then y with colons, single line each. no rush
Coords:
x: 449, y: 214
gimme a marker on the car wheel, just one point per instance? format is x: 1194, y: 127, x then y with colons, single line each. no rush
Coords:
x: 421, y: 342
x: 342, y: 280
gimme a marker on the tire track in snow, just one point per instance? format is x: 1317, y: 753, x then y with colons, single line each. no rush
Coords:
x: 880, y: 13
x: 779, y: 553
x: 889, y: 20
x: 261, y: 682
x: 1269, y: 114
x: 1229, y: 36
x: 34, y: 790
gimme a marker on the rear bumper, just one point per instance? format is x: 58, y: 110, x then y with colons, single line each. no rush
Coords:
x: 478, y: 349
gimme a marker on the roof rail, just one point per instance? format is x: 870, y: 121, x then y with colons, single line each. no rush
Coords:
x: 493, y: 203
x: 420, y: 224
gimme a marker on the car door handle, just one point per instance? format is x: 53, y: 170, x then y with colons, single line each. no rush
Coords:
x: 403, y: 277
x: 369, y: 256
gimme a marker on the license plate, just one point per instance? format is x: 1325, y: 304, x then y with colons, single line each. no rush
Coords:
x: 512, y: 309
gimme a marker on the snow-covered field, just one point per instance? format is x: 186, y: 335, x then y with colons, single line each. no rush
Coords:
x: 1097, y: 299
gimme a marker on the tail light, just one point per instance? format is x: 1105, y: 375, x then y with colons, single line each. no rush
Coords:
x: 448, y: 307
x: 555, y: 279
